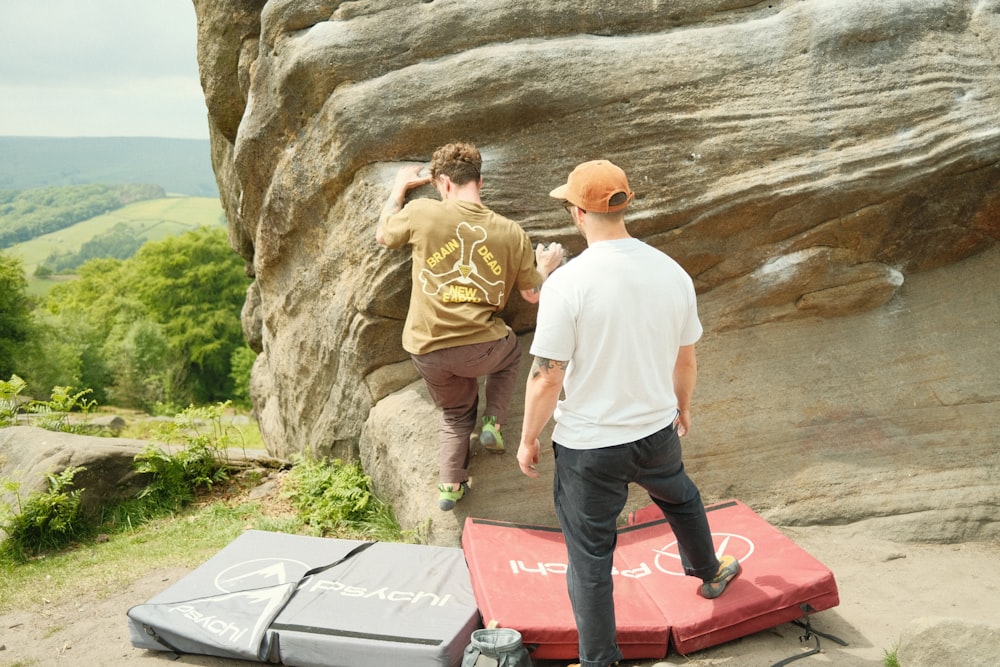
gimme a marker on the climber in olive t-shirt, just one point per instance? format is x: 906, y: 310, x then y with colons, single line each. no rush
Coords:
x: 466, y: 262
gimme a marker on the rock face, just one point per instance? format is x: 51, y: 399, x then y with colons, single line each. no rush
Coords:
x: 800, y: 158
x: 886, y: 421
x: 29, y: 454
x: 946, y: 641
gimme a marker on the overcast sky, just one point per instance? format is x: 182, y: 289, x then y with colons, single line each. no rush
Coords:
x: 100, y: 68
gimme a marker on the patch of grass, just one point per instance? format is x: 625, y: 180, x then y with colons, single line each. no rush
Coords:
x: 43, y: 521
x: 315, y: 497
x: 891, y: 659
x: 52, y: 520
x: 241, y: 430
x: 151, y: 220
x: 106, y: 564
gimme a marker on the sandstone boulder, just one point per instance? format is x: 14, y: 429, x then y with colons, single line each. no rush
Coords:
x: 886, y: 422
x: 28, y: 455
x: 800, y: 159
x: 931, y: 642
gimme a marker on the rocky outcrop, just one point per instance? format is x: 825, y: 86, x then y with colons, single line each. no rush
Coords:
x: 929, y: 642
x: 107, y: 476
x: 885, y: 421
x: 28, y: 455
x: 799, y: 158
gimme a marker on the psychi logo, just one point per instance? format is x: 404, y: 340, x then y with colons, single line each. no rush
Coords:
x: 266, y: 572
x: 259, y: 573
x: 666, y: 559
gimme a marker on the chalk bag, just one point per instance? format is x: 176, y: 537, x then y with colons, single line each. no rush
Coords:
x: 496, y: 647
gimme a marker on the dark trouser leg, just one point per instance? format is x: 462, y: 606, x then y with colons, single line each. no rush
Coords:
x: 661, y: 472
x: 458, y: 398
x: 590, y: 492
x: 501, y: 378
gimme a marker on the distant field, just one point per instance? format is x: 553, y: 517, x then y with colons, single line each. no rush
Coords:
x: 152, y: 220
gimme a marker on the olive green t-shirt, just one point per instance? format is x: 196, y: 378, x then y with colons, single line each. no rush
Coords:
x: 467, y: 260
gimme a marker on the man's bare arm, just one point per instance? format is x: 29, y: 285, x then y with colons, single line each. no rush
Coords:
x: 545, y: 381
x: 685, y: 377
x: 407, y: 178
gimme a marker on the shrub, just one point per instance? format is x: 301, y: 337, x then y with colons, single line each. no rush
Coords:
x: 9, y: 402
x: 201, y: 463
x: 52, y: 415
x: 44, y: 521
x: 333, y: 497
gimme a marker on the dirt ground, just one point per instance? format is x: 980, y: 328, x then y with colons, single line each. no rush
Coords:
x: 883, y: 587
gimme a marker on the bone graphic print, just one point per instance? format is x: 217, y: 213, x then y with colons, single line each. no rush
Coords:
x: 462, y: 281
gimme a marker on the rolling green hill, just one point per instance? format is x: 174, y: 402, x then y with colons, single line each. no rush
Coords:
x: 179, y: 166
x: 27, y: 214
x: 148, y: 220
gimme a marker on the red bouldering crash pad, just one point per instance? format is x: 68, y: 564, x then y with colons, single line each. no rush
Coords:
x: 518, y: 577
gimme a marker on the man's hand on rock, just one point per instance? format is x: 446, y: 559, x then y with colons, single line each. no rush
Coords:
x: 549, y: 258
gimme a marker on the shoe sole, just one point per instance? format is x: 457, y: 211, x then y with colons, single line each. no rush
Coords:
x: 490, y: 444
x: 714, y: 589
x: 447, y: 505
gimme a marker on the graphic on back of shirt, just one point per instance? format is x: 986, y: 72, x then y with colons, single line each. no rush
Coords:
x: 463, y: 282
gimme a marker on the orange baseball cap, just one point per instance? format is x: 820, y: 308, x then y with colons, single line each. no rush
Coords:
x: 597, y: 186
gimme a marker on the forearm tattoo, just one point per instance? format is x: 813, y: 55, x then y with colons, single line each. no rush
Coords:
x: 391, y: 208
x: 543, y: 365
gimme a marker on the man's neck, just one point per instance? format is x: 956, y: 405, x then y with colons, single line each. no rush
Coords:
x: 468, y: 192
x: 598, y: 233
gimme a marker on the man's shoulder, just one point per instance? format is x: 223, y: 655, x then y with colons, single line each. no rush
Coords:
x: 423, y: 204
x: 506, y: 225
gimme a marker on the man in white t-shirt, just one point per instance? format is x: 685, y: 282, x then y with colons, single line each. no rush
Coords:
x: 616, y: 332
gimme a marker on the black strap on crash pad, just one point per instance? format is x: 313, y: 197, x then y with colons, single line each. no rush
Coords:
x: 810, y: 633
x: 176, y: 653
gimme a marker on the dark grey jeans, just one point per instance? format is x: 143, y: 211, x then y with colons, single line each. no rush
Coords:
x: 590, y: 491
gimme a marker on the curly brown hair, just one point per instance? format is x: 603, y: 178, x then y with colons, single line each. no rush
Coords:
x: 459, y: 161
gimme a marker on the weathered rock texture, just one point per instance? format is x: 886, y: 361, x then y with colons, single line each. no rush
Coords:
x: 930, y: 642
x: 886, y: 421
x: 800, y: 158
x: 28, y: 455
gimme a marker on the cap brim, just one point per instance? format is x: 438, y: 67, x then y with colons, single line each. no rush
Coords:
x: 560, y: 192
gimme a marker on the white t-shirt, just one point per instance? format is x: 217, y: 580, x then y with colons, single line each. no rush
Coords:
x: 617, y: 313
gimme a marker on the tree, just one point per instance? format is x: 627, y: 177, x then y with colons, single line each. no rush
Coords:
x: 84, y: 317
x: 241, y: 366
x: 194, y: 285
x: 15, y: 314
x: 167, y: 321
x: 139, y: 363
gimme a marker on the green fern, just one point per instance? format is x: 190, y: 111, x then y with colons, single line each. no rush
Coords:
x: 44, y: 521
x: 333, y: 497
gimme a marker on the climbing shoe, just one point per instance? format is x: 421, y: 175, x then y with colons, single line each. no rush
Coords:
x: 448, y: 496
x: 729, y: 569
x: 490, y: 437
